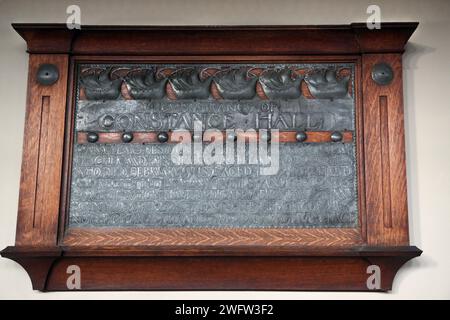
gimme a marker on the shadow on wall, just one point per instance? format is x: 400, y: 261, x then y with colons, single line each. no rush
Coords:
x: 413, y: 53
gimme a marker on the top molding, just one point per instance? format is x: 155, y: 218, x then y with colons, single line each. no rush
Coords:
x: 354, y: 38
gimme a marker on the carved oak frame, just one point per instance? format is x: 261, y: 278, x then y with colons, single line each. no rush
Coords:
x: 201, y: 259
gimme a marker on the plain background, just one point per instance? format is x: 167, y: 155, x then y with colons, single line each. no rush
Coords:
x: 427, y: 110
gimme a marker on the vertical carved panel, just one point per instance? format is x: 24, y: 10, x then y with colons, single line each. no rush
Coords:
x: 42, y: 154
x: 385, y: 163
x: 386, y: 198
x: 41, y: 160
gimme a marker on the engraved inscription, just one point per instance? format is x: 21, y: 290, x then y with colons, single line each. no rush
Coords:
x: 139, y: 115
x: 138, y: 185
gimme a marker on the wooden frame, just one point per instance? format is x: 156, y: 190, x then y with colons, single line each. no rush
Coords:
x: 261, y: 259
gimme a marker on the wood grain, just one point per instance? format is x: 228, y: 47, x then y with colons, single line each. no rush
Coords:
x: 384, y: 145
x: 355, y: 38
x: 257, y: 268
x: 42, y: 155
x: 211, y: 236
x: 385, y: 164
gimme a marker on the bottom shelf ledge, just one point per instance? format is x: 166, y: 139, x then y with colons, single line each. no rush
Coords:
x: 320, y: 269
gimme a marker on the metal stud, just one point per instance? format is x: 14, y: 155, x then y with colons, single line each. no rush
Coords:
x: 336, y: 136
x: 92, y: 137
x: 162, y: 137
x: 47, y: 74
x: 301, y: 136
x: 382, y: 74
x: 127, y: 137
x: 265, y: 135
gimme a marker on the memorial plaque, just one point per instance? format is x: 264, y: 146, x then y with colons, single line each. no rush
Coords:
x: 213, y: 158
x: 122, y: 184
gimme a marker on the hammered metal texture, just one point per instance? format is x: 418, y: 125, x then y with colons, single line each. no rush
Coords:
x: 137, y: 185
x: 122, y: 185
x: 47, y: 74
x: 382, y: 74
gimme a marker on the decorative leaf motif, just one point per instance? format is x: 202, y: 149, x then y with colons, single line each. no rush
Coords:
x: 99, y: 85
x: 186, y: 84
x: 144, y: 85
x: 236, y: 84
x: 325, y: 84
x: 281, y: 83
x: 230, y: 83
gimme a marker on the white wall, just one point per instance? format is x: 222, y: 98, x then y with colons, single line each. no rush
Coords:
x: 427, y: 81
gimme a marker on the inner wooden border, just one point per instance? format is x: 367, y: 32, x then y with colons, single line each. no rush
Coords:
x: 323, y: 237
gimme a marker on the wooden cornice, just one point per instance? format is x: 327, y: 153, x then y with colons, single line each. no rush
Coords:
x: 353, y: 38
